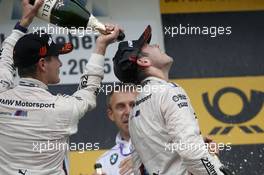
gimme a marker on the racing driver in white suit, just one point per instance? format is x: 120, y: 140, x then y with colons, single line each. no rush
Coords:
x: 162, y: 125
x: 34, y: 124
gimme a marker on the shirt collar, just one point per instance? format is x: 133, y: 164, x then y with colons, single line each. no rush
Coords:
x: 31, y: 82
x: 120, y: 140
x: 124, y: 146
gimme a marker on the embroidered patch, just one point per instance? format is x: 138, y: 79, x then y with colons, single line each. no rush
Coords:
x: 113, y: 158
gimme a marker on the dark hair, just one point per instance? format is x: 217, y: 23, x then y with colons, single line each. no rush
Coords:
x: 141, y: 75
x: 119, y: 87
x: 29, y: 71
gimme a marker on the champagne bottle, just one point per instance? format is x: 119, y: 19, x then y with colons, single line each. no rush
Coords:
x: 98, y: 168
x: 70, y: 13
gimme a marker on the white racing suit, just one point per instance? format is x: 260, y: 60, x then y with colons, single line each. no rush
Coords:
x: 165, y: 133
x: 34, y: 124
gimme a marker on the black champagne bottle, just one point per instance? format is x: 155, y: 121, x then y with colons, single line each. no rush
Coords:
x: 70, y: 13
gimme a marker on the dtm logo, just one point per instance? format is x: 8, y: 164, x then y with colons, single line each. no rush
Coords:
x: 250, y: 108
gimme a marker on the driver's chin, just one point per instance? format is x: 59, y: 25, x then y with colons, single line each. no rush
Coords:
x: 169, y: 60
x: 58, y: 80
x: 125, y: 127
x: 55, y: 81
x: 125, y: 130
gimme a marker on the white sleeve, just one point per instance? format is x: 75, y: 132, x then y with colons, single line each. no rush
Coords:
x: 185, y: 135
x: 7, y: 70
x: 84, y: 99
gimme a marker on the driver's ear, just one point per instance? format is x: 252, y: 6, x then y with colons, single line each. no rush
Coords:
x: 110, y: 114
x: 143, y: 62
x: 42, y: 64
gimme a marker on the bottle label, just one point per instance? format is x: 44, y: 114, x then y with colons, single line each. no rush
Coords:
x: 99, y: 171
x: 45, y: 10
x: 95, y: 24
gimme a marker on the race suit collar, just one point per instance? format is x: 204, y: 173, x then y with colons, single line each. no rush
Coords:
x: 31, y: 82
x: 120, y: 140
x: 149, y: 79
x: 124, y: 146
